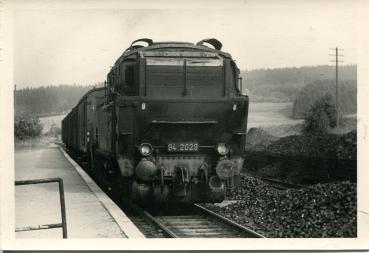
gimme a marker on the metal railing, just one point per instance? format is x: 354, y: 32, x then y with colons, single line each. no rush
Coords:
x: 63, y: 223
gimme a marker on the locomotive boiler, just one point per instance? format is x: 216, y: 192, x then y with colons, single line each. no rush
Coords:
x: 169, y: 125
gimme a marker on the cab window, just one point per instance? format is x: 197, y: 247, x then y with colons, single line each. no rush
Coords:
x: 184, y: 77
x: 128, y: 85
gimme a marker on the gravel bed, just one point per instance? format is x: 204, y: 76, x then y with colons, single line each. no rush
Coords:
x: 320, y: 210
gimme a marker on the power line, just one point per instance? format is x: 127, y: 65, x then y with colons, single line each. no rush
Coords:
x: 336, y: 60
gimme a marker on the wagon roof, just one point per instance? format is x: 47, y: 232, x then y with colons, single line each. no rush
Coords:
x: 89, y: 92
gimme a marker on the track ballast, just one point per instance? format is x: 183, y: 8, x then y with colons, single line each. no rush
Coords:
x: 192, y: 221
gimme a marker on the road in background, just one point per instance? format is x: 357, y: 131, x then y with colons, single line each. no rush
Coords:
x: 268, y: 114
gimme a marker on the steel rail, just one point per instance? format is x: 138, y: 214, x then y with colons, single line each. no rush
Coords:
x: 147, y: 216
x: 229, y: 222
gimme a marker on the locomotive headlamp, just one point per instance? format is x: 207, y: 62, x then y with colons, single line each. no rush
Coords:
x: 222, y: 149
x: 145, y: 149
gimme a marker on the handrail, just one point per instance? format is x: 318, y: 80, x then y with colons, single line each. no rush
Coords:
x: 63, y: 224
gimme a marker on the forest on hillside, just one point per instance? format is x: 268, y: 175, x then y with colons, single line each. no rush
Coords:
x: 262, y: 85
x: 283, y: 84
x: 49, y: 100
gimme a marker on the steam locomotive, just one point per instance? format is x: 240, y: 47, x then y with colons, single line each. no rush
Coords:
x: 169, y: 126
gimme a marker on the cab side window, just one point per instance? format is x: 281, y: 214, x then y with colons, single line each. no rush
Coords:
x: 129, y: 85
x: 130, y: 76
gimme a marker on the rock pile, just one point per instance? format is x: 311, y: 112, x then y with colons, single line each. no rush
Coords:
x: 330, y: 145
x: 259, y: 139
x: 321, y: 210
x: 346, y: 146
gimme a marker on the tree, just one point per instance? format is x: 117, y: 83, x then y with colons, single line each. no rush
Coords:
x: 321, y: 116
x: 26, y: 127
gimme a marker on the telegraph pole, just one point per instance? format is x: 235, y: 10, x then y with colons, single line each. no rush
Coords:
x: 336, y: 60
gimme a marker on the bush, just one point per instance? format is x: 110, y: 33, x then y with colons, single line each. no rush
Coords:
x: 26, y: 127
x: 312, y: 92
x: 321, y: 116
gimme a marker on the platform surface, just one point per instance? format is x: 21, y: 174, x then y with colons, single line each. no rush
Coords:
x: 90, y: 214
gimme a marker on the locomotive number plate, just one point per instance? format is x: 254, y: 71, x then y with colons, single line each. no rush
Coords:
x: 183, y: 147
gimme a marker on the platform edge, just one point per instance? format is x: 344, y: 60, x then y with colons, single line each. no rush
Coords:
x: 124, y: 223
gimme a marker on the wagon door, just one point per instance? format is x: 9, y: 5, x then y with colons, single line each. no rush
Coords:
x: 81, y: 141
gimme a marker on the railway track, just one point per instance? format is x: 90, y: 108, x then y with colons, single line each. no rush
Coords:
x: 192, y: 221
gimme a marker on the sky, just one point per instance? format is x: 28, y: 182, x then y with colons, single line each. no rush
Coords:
x: 66, y: 46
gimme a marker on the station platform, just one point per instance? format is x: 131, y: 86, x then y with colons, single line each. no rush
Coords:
x: 90, y: 213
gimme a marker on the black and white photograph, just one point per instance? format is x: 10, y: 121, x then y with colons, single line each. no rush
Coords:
x: 164, y: 120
